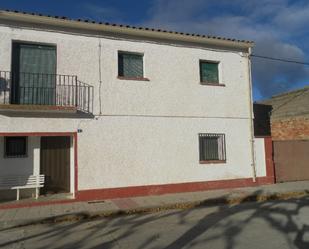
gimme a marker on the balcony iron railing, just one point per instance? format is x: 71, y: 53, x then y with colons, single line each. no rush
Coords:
x: 45, y: 89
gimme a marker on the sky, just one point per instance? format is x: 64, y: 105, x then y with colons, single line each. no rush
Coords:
x: 279, y: 28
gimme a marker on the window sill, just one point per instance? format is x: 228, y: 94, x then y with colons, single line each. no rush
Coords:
x: 212, y: 161
x: 211, y: 84
x: 14, y: 157
x: 133, y: 78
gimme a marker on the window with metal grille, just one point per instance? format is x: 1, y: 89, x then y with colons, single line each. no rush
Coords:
x: 15, y: 147
x: 209, y: 72
x: 212, y: 147
x: 130, y: 65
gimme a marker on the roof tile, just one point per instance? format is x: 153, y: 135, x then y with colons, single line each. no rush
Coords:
x: 131, y: 27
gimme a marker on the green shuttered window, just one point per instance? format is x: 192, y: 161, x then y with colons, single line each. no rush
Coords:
x: 212, y: 147
x: 34, y: 69
x: 37, y: 59
x: 209, y: 72
x: 130, y: 65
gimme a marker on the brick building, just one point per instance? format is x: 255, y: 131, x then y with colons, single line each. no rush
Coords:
x: 290, y: 115
x: 289, y: 121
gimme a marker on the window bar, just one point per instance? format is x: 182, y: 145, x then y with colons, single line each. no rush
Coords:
x: 88, y: 107
x: 71, y: 92
x: 223, y: 146
x: 13, y: 97
x: 84, y: 98
x: 92, y: 99
x: 5, y: 85
x: 201, y: 147
x: 24, y: 88
x: 79, y: 94
x: 36, y: 87
x: 65, y: 78
x: 64, y: 91
x: 61, y: 90
x: 39, y: 89
x: 33, y: 90
x: 56, y: 90
x: 9, y: 84
x: 29, y: 87
x: 69, y: 95
x: 76, y: 93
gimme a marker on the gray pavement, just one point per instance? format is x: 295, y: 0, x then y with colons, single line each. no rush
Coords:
x: 277, y: 224
x: 10, y: 218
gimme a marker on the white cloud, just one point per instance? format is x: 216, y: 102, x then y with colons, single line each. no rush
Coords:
x: 293, y: 18
x: 272, y: 24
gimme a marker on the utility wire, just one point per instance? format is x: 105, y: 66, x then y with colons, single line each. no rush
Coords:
x: 279, y: 59
x: 286, y: 61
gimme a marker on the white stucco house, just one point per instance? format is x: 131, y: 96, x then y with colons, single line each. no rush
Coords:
x: 105, y: 111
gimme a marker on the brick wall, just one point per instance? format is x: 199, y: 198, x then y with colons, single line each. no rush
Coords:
x: 294, y: 128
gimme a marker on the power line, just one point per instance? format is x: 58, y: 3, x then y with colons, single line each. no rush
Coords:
x: 286, y: 61
x: 279, y: 59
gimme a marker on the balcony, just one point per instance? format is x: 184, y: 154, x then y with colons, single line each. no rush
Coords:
x: 36, y: 92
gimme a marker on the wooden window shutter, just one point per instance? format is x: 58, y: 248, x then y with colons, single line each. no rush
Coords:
x: 209, y: 72
x: 130, y: 65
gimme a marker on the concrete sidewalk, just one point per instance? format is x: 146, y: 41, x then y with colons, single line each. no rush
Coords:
x: 10, y: 218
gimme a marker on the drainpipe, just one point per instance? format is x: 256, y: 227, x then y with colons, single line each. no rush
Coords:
x: 253, y: 164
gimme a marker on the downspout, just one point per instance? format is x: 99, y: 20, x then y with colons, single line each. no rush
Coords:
x: 100, y: 76
x: 253, y: 164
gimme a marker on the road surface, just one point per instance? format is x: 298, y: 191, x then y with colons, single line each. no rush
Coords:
x: 272, y: 224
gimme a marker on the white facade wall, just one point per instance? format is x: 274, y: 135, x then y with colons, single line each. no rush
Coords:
x: 29, y: 165
x: 260, y: 157
x: 145, y: 132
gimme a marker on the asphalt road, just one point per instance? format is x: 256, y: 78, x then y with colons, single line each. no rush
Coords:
x: 272, y: 224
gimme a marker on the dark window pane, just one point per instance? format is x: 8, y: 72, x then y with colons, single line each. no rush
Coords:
x: 130, y: 65
x: 209, y: 72
x: 15, y: 146
x: 212, y: 147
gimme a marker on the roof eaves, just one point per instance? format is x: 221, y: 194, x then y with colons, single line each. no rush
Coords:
x: 15, y: 13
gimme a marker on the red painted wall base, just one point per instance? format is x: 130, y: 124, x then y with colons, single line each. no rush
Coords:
x: 112, y: 193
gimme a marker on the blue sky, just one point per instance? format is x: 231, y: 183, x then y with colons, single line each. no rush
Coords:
x: 279, y: 28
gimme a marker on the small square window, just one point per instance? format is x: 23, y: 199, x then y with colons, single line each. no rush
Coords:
x: 15, y: 147
x: 130, y: 65
x: 209, y: 72
x: 212, y: 147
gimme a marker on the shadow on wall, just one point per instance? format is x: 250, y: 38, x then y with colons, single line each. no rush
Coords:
x: 4, y: 85
x: 19, y: 166
x: 272, y: 224
x: 4, y: 90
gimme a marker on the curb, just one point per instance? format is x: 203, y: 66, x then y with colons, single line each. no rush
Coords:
x: 154, y: 209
